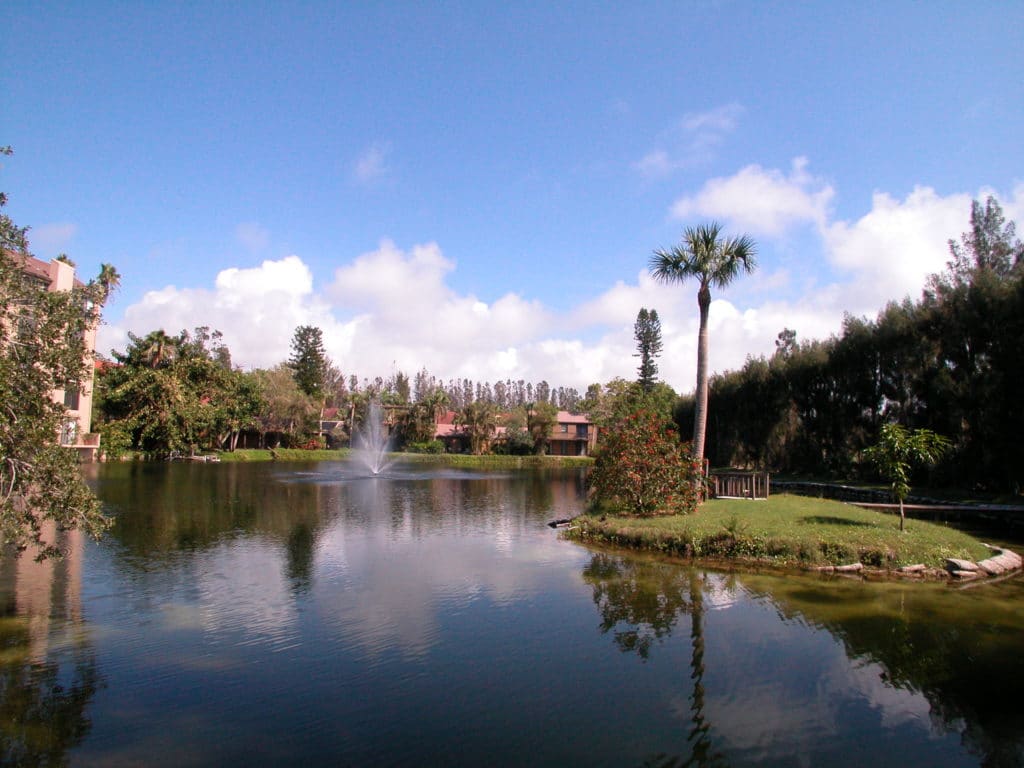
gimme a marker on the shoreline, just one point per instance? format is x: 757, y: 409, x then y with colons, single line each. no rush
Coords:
x: 793, y: 533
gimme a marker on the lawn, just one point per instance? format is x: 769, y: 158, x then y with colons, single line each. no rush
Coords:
x: 786, y: 530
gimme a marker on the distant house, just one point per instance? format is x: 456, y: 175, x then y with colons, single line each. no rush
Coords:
x: 76, y: 433
x: 574, y: 435
x: 449, y: 433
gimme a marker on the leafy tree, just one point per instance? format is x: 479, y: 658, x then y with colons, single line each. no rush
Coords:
x: 785, y: 343
x: 155, y: 350
x: 174, y: 394
x: 643, y: 468
x: 714, y: 262
x: 285, y: 408
x: 42, y: 349
x: 647, y: 332
x: 309, y: 361
x: 479, y: 422
x: 898, y: 450
x: 541, y: 418
x: 517, y: 440
x: 991, y: 243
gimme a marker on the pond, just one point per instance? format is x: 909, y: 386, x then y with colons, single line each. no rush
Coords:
x: 298, y: 614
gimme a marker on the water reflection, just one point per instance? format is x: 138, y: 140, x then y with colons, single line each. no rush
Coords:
x: 48, y: 674
x: 286, y: 614
x: 917, y: 660
x: 640, y: 603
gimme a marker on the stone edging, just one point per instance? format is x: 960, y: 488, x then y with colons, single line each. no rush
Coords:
x: 1001, y: 562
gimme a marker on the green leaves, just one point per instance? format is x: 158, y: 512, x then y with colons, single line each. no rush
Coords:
x: 898, y: 450
x: 642, y: 467
x: 309, y: 360
x: 175, y: 393
x: 42, y: 349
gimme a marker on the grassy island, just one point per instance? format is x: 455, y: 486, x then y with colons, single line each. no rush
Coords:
x: 784, y: 530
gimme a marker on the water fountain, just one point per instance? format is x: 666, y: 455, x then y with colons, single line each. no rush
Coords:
x: 371, y: 451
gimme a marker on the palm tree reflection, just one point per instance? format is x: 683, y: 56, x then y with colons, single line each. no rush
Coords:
x: 640, y: 604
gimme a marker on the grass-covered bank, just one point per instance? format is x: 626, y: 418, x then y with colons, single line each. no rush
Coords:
x: 444, y: 459
x: 785, y: 530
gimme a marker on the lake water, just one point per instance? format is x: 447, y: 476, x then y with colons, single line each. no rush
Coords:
x: 291, y: 614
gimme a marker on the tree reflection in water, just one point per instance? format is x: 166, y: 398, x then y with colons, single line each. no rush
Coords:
x: 959, y: 650
x: 48, y: 672
x: 640, y: 603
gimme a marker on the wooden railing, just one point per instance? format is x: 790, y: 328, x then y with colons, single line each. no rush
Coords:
x: 740, y: 485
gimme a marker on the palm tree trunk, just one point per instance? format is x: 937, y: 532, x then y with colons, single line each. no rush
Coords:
x: 700, y: 415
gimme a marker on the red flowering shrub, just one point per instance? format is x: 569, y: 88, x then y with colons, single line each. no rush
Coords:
x: 643, y: 468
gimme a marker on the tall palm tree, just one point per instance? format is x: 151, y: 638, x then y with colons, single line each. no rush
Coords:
x: 714, y: 261
x: 109, y: 279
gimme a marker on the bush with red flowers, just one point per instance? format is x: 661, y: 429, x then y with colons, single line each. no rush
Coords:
x: 641, y: 468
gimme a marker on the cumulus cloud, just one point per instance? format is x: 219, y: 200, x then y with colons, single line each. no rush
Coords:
x: 257, y: 309
x: 692, y: 140
x: 891, y: 250
x: 761, y: 201
x: 394, y: 308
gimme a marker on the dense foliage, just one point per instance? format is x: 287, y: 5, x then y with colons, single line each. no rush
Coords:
x: 643, y: 468
x: 170, y: 394
x: 951, y: 362
x: 41, y: 350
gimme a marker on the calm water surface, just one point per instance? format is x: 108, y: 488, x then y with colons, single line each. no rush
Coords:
x: 290, y: 614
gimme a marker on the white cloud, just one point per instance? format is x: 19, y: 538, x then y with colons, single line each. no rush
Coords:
x: 692, y: 140
x: 761, y: 201
x: 372, y: 166
x: 394, y: 308
x: 891, y: 250
x: 257, y: 309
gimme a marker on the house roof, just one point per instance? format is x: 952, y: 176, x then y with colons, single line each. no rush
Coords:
x: 564, y: 417
x: 33, y: 267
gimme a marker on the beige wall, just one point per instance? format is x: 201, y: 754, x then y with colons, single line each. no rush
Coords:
x: 62, y: 278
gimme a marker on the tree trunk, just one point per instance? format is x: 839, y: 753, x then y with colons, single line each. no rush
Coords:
x: 700, y: 414
x: 902, y: 516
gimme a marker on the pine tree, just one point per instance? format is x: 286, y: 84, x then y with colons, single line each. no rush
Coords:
x: 309, y: 361
x: 647, y: 332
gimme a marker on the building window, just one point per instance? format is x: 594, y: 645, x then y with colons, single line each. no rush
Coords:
x: 581, y: 430
x: 68, y: 432
x: 71, y: 396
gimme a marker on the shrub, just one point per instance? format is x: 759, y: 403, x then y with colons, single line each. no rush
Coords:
x: 427, y: 446
x: 642, y: 467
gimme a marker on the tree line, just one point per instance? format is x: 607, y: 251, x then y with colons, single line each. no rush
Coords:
x: 167, y: 394
x: 951, y: 362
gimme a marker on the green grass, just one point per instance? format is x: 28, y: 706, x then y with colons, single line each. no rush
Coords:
x: 786, y: 530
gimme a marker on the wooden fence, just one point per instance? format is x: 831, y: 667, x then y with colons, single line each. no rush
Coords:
x: 740, y: 485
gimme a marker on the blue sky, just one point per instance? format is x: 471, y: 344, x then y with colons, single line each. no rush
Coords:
x: 476, y: 187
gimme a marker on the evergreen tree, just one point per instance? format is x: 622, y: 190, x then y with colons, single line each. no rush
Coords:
x: 647, y: 332
x: 309, y: 361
